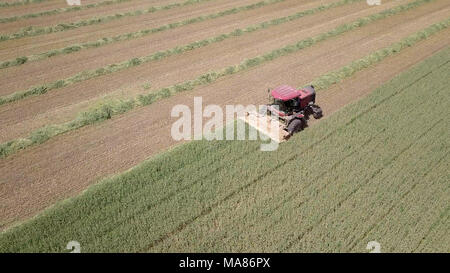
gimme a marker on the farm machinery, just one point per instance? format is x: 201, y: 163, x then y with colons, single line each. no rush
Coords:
x: 287, y: 113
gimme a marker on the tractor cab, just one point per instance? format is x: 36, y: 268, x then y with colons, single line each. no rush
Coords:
x: 290, y: 100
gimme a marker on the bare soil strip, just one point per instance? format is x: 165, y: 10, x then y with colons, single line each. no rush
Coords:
x: 65, y: 165
x: 36, y: 44
x: 139, y: 35
x: 45, y: 112
x: 117, y: 20
x: 60, y: 67
x: 74, y: 16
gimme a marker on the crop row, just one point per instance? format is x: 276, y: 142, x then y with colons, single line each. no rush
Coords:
x: 33, y: 31
x: 437, y: 239
x: 356, y: 221
x: 161, y: 54
x: 198, y: 193
x: 60, y: 10
x: 19, y: 3
x: 114, y: 107
x: 429, y: 199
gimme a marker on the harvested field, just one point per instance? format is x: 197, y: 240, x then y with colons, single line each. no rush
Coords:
x: 78, y: 93
x: 92, y: 99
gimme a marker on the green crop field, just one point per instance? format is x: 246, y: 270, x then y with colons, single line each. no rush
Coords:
x: 376, y: 170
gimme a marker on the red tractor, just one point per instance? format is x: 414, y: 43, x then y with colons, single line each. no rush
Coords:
x: 292, y: 107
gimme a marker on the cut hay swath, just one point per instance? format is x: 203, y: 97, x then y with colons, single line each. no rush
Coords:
x: 213, y: 75
x: 179, y: 49
x: 34, y: 31
x: 61, y: 10
x: 117, y: 107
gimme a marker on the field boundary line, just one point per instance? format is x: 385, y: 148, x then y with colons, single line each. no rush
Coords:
x: 106, y: 111
x: 34, y: 31
x: 60, y: 10
x: 177, y: 50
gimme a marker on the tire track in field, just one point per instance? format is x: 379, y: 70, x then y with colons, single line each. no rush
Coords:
x: 426, y: 241
x: 78, y: 156
x: 379, y: 170
x: 393, y: 206
x: 432, y: 226
x: 429, y: 207
x: 364, y: 214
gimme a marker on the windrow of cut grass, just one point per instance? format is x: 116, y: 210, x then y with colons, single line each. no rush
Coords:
x: 61, y: 10
x: 109, y: 108
x: 198, y: 194
x: 33, y: 31
x: 20, y: 3
x: 177, y: 50
x: 116, y: 67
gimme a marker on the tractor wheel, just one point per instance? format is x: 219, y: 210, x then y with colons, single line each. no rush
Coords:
x: 295, y: 126
x: 316, y: 112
